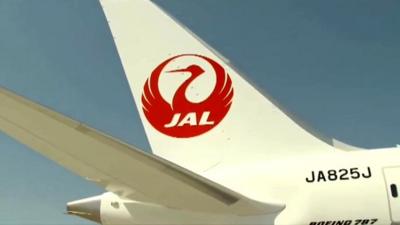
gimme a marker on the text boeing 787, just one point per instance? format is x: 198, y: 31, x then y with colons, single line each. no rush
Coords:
x: 222, y: 153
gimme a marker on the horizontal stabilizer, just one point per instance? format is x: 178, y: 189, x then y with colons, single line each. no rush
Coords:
x: 116, y: 166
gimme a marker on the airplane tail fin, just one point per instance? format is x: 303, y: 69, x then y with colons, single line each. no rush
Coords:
x: 196, y: 109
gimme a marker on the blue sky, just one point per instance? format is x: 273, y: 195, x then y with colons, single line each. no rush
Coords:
x: 335, y: 64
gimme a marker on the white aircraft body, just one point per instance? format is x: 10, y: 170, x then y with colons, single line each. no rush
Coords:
x: 222, y: 153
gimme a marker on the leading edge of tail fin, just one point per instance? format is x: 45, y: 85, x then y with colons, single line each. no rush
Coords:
x: 197, y: 110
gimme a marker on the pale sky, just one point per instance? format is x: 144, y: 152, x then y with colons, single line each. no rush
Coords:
x: 334, y: 64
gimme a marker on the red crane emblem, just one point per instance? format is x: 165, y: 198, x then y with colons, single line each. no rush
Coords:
x: 182, y: 118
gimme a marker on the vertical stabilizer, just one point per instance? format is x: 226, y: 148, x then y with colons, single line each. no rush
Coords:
x: 197, y: 111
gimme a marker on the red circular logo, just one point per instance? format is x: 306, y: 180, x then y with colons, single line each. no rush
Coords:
x: 183, y: 118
